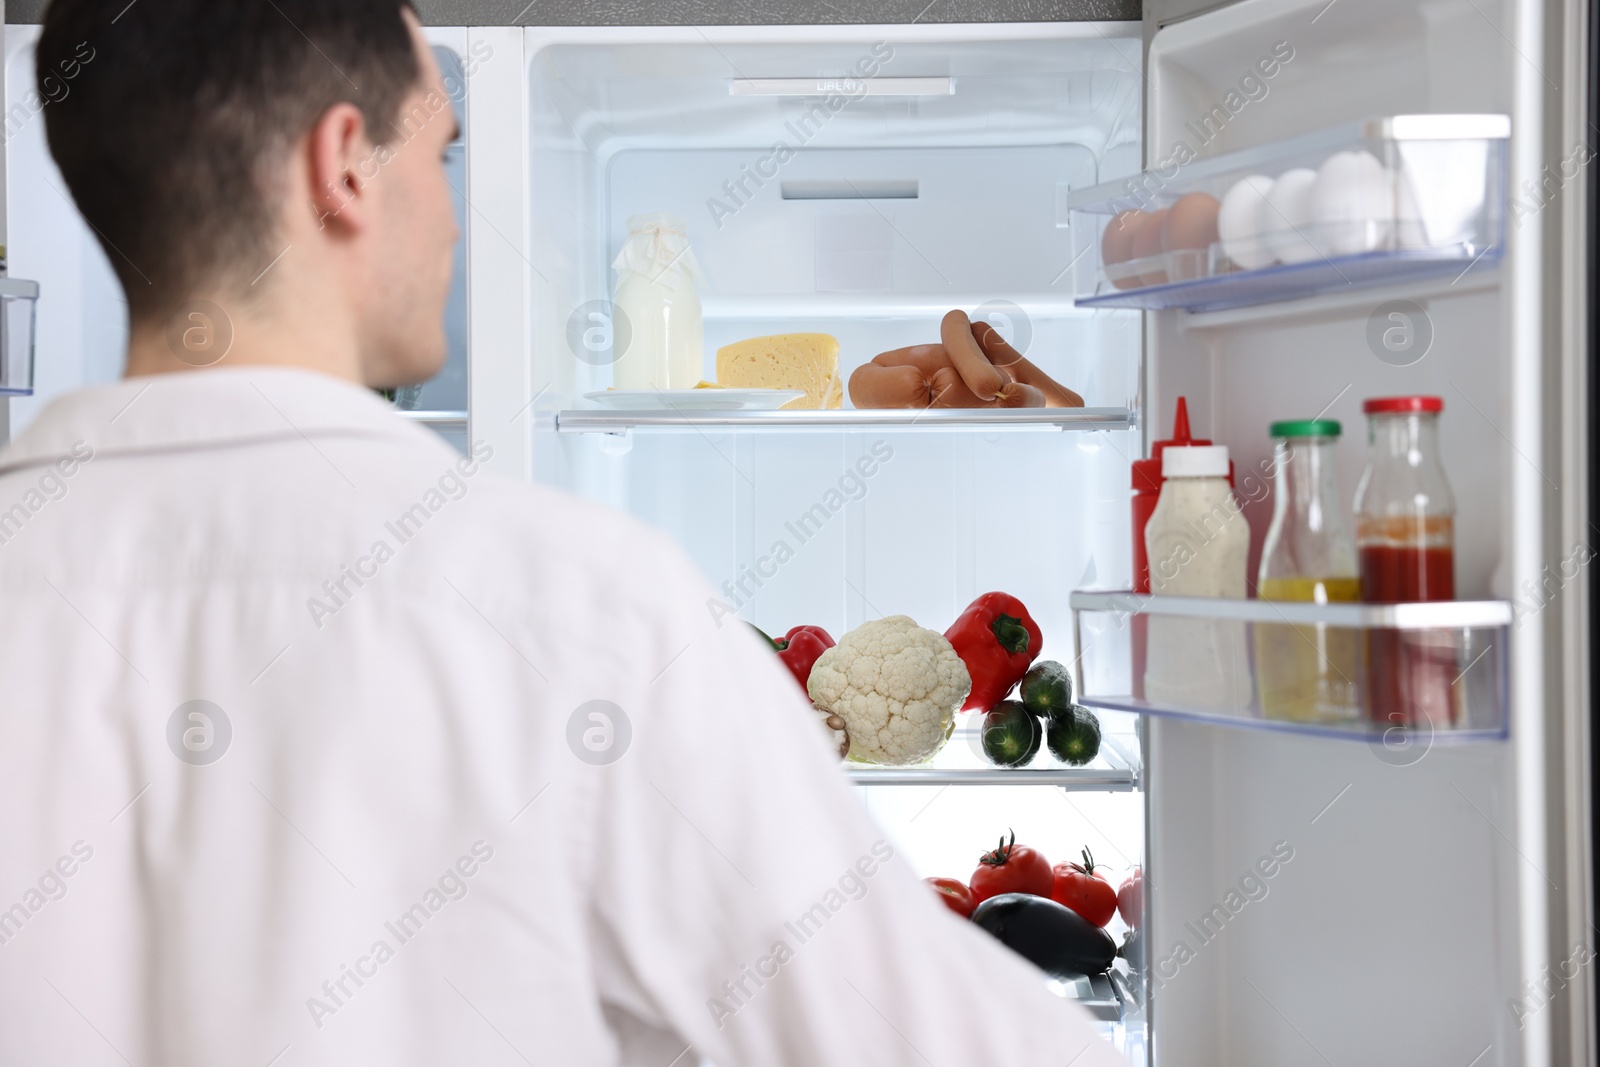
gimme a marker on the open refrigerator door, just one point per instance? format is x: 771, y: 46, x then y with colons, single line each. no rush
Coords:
x: 1394, y: 212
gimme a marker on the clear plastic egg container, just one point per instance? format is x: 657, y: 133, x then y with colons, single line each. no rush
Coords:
x: 1378, y: 202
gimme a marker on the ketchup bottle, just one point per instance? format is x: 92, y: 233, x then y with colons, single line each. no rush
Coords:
x: 1405, y: 538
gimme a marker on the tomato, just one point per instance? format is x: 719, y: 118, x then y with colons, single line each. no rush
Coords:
x: 1130, y: 898
x: 955, y: 894
x: 1085, y: 892
x: 1011, y: 868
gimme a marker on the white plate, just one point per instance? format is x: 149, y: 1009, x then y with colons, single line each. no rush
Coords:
x: 694, y: 399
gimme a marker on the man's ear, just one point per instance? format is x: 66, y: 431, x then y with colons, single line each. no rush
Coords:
x: 338, y: 150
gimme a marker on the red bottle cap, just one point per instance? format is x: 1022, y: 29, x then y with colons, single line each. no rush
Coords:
x: 1147, y: 472
x: 1388, y: 405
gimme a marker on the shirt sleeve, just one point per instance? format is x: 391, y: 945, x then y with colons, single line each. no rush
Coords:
x: 744, y: 900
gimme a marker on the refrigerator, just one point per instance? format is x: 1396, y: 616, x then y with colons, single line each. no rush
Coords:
x: 1430, y: 896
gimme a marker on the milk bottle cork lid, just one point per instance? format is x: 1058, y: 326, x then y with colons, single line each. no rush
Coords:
x: 1196, y: 461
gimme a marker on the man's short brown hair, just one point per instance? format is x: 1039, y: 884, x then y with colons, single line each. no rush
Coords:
x: 179, y: 107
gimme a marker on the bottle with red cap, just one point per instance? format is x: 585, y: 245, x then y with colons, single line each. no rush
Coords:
x: 1405, y: 538
x: 1147, y: 481
x: 1147, y: 489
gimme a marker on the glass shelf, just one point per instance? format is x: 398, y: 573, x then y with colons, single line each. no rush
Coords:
x: 1396, y: 674
x: 435, y: 418
x: 945, y: 419
x: 1116, y: 768
x: 1382, y: 202
x: 883, y: 306
x: 1071, y: 779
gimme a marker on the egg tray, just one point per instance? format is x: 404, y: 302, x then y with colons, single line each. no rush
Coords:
x: 1380, y: 202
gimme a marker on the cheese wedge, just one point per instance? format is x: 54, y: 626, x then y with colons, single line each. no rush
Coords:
x: 807, y: 361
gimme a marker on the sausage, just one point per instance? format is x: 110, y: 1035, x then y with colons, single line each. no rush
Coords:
x: 873, y: 385
x: 1008, y: 359
x: 987, y: 382
x: 973, y: 367
x: 920, y: 376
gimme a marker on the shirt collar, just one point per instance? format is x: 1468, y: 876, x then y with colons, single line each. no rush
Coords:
x: 202, y: 410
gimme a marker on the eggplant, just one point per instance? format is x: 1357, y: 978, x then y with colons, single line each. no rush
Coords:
x: 1052, y: 937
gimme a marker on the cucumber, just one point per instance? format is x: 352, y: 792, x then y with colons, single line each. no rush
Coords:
x: 1011, y: 736
x: 1046, y: 689
x: 1074, y: 735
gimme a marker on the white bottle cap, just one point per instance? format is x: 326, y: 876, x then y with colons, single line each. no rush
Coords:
x: 1194, y: 461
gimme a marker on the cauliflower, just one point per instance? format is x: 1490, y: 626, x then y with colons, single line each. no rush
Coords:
x: 896, y: 686
x: 838, y: 735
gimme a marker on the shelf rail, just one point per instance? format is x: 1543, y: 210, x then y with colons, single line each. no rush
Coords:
x: 1063, y: 419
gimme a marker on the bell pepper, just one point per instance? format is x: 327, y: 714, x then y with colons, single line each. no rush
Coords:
x: 998, y: 640
x: 800, y: 648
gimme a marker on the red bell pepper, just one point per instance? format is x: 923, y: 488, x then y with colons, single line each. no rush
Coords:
x: 997, y: 640
x: 800, y: 649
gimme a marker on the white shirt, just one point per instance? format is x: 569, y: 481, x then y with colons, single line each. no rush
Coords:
x: 398, y: 842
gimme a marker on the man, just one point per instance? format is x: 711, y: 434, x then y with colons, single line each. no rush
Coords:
x: 322, y: 746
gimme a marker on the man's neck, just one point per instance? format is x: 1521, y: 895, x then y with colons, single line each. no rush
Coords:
x: 226, y: 333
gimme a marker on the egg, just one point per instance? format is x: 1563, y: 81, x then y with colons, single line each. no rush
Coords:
x: 1289, y: 216
x: 1116, y: 245
x: 1241, y: 222
x: 1352, y: 204
x: 1147, y: 244
x: 1190, y: 225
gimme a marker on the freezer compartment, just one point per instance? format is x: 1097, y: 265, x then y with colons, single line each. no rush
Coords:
x: 1380, y: 202
x: 17, y: 300
x: 1395, y: 675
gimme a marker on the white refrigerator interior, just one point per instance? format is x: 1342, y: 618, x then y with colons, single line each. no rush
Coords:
x: 818, y: 198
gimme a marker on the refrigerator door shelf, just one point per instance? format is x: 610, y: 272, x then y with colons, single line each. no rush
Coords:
x: 1396, y: 675
x: 985, y: 420
x: 1380, y: 202
x: 17, y: 300
x: 1227, y: 288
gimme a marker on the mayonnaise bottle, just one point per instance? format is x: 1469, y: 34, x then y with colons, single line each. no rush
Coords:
x: 1198, y: 544
x: 656, y: 272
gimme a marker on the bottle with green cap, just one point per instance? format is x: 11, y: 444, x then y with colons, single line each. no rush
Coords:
x: 1308, y: 672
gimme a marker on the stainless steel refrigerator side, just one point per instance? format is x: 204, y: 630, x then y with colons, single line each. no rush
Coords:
x: 5, y: 404
x: 1565, y: 294
x: 1548, y: 299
